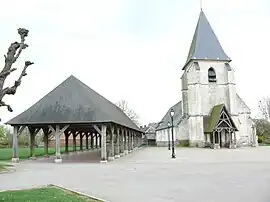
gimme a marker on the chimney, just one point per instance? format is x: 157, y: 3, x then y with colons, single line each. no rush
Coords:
x: 145, y: 126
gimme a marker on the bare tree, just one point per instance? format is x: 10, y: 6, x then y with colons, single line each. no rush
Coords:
x: 11, y: 57
x: 264, y: 106
x: 123, y: 105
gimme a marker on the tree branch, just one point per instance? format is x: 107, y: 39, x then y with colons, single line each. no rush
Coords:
x: 13, y: 53
x: 6, y: 73
x: 3, y: 104
x: 17, y: 83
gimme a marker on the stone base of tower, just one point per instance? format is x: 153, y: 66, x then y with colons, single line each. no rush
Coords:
x: 197, y: 143
x: 163, y: 143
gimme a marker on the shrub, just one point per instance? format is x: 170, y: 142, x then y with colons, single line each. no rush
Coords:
x: 260, y: 139
x: 183, y: 143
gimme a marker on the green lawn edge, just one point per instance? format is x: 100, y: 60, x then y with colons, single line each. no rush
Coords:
x: 49, y: 193
x: 24, y: 153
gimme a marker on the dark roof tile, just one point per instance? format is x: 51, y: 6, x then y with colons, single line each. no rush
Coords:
x: 73, y: 102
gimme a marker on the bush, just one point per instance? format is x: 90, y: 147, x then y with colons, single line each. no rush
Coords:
x: 183, y: 143
x: 260, y: 139
x: 2, y: 146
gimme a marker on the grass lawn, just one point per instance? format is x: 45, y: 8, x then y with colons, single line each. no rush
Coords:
x: 46, y: 194
x: 24, y: 153
x: 4, y: 166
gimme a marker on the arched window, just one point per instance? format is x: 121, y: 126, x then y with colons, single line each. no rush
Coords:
x: 212, y: 75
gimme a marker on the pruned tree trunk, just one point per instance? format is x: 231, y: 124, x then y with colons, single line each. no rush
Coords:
x: 11, y: 57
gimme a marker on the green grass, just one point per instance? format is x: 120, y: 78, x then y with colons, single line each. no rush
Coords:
x: 46, y: 194
x: 24, y: 153
x: 4, y: 167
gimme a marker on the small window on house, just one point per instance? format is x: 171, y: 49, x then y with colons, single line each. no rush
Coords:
x: 212, y: 75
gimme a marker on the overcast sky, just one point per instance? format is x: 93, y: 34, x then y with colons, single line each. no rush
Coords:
x: 132, y: 49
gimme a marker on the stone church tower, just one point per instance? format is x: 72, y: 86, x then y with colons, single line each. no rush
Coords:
x: 211, y: 112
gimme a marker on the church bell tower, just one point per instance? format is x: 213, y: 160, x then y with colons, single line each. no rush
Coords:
x: 208, y: 80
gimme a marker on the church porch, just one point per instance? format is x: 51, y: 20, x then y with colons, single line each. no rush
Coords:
x: 219, y: 129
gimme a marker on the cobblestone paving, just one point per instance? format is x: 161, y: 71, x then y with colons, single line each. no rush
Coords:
x: 150, y: 175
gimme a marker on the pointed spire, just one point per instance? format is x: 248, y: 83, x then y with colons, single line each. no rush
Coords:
x: 205, y: 44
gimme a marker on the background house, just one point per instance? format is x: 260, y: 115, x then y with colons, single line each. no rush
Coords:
x: 150, y: 134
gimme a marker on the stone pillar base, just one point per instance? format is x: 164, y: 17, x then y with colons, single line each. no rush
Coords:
x: 117, y: 156
x: 15, y: 160
x: 135, y: 148
x: 46, y: 156
x: 103, y: 161
x: 125, y: 152
x: 232, y: 146
x: 58, y: 161
x: 32, y: 158
x: 122, y: 154
x: 129, y: 151
x: 215, y: 146
x: 111, y: 158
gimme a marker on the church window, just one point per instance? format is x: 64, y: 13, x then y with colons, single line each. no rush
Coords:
x: 212, y: 75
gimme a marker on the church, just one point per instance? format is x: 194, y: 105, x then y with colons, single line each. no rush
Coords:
x: 211, y: 113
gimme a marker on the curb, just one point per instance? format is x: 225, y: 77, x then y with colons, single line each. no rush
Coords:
x: 79, y: 193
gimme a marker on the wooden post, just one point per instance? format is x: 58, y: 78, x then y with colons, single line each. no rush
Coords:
x: 235, y: 145
x: 97, y: 141
x: 103, y: 134
x: 33, y: 131
x: 214, y: 139
x: 74, y: 135
x: 57, y: 143
x: 32, y: 144
x: 15, y: 147
x: 117, y: 143
x: 132, y: 141
x: 81, y: 141
x: 66, y: 140
x: 46, y: 141
x: 103, y: 143
x: 86, y: 141
x: 92, y: 140
x: 121, y: 142
x: 111, y: 144
x: 57, y: 132
x: 125, y: 142
x: 100, y: 139
x: 136, y: 141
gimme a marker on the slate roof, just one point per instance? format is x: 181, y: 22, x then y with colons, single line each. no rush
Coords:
x: 205, y: 44
x: 167, y: 118
x: 211, y: 121
x: 73, y: 102
x: 151, y: 128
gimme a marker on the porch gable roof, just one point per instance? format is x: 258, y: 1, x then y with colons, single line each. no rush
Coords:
x: 210, y: 122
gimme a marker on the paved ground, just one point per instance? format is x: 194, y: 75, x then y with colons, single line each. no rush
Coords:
x: 150, y: 175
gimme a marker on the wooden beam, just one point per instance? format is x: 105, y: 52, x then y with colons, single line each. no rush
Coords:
x: 64, y: 128
x: 45, y: 130
x: 36, y: 131
x: 112, y: 128
x: 21, y: 128
x: 97, y: 129
x: 52, y: 129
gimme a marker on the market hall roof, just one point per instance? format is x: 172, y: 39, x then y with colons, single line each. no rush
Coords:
x: 73, y: 102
